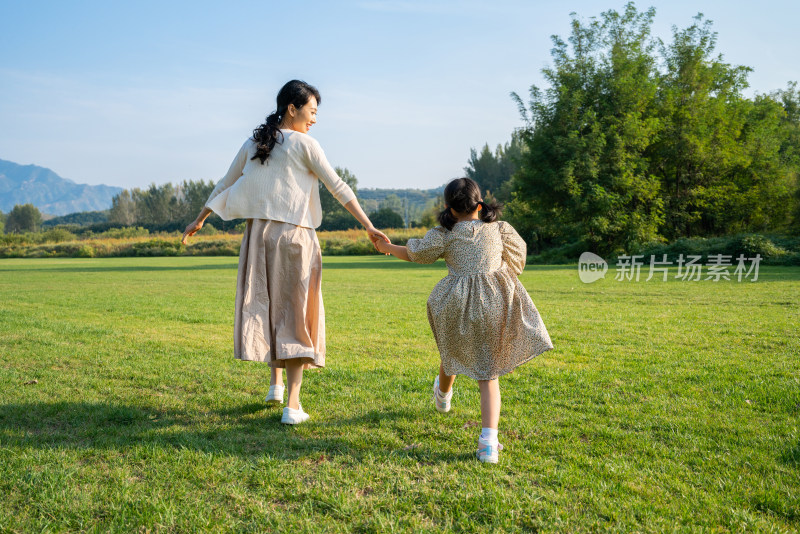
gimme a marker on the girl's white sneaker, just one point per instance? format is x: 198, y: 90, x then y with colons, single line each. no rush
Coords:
x: 275, y: 395
x: 488, y: 451
x: 442, y: 402
x: 294, y: 417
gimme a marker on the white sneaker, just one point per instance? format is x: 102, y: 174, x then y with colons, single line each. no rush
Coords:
x: 275, y: 395
x: 488, y: 451
x: 441, y: 401
x: 294, y: 417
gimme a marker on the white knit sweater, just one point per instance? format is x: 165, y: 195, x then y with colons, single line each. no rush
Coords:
x: 283, y: 188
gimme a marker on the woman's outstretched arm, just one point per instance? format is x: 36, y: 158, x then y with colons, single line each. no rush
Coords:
x: 195, y: 225
x: 355, y: 210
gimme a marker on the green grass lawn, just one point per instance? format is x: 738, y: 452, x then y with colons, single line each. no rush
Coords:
x: 665, y: 406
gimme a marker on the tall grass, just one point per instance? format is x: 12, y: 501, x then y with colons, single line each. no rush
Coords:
x: 125, y: 242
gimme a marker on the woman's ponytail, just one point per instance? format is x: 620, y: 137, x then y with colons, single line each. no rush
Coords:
x: 266, y: 136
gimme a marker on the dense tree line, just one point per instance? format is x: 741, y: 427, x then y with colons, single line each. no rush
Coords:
x: 171, y: 207
x: 80, y: 218
x: 164, y: 207
x: 636, y: 141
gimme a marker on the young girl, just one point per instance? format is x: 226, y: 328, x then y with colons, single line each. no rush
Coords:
x: 483, y: 320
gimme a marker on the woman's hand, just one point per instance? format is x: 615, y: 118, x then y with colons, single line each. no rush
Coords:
x: 376, y: 236
x: 192, y: 229
x: 196, y: 225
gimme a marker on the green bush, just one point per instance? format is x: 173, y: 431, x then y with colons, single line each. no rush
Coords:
x: 213, y: 248
x: 775, y: 250
x: 60, y: 250
x: 347, y: 247
x: 12, y: 251
x: 14, y: 239
x: 57, y: 235
x: 155, y: 247
x: 208, y: 229
x: 750, y: 245
x: 123, y: 233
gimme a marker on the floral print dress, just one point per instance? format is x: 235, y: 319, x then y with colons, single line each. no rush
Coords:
x: 484, y: 322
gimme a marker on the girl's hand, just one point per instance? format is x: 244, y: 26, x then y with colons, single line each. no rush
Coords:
x: 381, y: 246
x: 192, y: 229
x: 376, y: 236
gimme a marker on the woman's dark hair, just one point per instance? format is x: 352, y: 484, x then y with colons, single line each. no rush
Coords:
x: 293, y: 92
x: 464, y: 196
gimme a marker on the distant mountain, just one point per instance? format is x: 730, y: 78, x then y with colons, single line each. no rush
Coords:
x: 52, y: 194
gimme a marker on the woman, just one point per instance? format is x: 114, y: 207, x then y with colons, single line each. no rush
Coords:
x: 273, y: 183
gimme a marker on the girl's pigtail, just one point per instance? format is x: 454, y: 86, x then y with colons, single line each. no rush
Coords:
x: 490, y: 212
x: 446, y: 218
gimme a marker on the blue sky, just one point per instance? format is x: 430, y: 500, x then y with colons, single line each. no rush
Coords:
x: 129, y: 93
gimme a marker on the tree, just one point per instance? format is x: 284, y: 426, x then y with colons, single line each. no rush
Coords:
x: 703, y: 112
x: 194, y: 195
x: 157, y: 205
x: 397, y: 205
x: 790, y: 143
x: 2, y: 221
x: 758, y: 191
x: 583, y: 176
x: 123, y: 209
x: 334, y: 215
x: 23, y: 218
x: 386, y: 218
x: 493, y: 170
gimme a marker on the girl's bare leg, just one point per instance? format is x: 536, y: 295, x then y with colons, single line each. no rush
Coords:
x: 490, y: 403
x: 445, y: 381
x: 294, y: 379
x: 276, y: 376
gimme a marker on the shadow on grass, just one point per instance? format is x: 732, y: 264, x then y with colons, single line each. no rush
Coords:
x: 395, y: 264
x: 247, y: 430
x: 125, y: 268
x: 388, y: 265
x: 792, y: 456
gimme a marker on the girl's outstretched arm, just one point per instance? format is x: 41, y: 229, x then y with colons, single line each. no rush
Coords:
x: 395, y: 250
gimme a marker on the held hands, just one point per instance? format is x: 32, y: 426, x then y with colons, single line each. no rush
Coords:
x: 192, y: 229
x: 378, y: 238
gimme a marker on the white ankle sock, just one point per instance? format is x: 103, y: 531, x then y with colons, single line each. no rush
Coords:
x: 489, y: 434
x: 444, y: 396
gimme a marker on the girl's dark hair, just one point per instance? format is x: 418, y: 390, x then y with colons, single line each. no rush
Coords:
x: 293, y: 92
x: 464, y: 196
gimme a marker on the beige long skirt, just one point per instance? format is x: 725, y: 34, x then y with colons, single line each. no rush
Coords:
x: 279, y: 312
